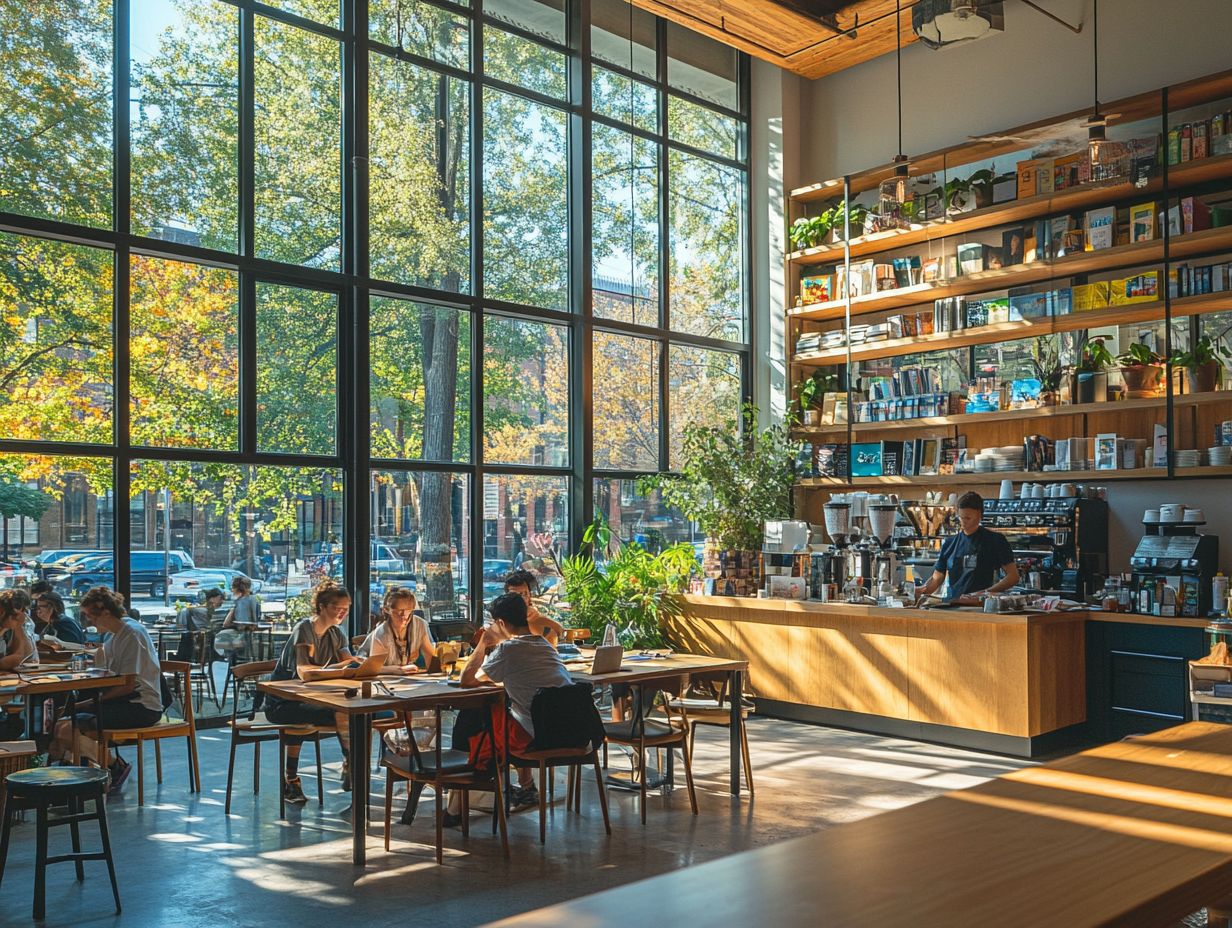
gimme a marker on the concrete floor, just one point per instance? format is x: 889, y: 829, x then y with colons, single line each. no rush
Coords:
x: 181, y: 862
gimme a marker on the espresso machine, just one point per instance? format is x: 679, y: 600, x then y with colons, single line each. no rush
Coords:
x: 1061, y: 544
x: 1172, y: 570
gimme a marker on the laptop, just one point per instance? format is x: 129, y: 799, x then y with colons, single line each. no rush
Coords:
x: 355, y: 669
x: 607, y: 659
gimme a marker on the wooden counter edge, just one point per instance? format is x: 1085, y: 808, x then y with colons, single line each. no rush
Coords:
x: 716, y: 604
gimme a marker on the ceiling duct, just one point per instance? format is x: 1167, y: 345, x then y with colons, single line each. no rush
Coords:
x: 940, y: 23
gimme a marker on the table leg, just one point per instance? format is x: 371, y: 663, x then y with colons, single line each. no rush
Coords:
x: 361, y: 738
x: 736, y: 695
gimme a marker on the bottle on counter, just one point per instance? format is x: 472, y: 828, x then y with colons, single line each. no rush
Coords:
x: 1219, y: 595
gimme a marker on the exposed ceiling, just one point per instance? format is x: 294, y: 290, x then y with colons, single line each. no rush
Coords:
x: 790, y: 33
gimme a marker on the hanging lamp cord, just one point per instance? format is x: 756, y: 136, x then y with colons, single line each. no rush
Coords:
x: 1095, y: 32
x: 898, y: 57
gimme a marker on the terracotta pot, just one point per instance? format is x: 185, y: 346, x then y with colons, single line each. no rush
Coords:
x: 1142, y: 379
x: 1048, y: 398
x: 1205, y: 378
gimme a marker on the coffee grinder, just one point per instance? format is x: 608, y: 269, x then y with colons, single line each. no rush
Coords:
x: 829, y: 566
x: 882, y: 518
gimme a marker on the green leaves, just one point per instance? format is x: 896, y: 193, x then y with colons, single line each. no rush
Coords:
x: 1139, y: 355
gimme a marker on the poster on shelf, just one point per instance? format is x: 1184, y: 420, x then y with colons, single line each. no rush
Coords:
x: 1106, y: 451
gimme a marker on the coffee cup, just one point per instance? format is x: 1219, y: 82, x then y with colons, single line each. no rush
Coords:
x: 1150, y: 516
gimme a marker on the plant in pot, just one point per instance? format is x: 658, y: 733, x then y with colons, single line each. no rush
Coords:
x: 808, y: 231
x: 623, y: 583
x: 1092, y: 378
x: 1142, y: 370
x: 731, y: 481
x: 806, y: 410
x: 1203, y: 364
x: 1046, y: 364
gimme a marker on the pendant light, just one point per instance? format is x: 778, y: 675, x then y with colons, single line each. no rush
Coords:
x: 1100, y: 152
x: 895, y: 192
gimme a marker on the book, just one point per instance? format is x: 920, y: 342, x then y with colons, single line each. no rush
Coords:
x: 1099, y: 227
x: 1013, y: 247
x: 816, y: 288
x: 1142, y: 222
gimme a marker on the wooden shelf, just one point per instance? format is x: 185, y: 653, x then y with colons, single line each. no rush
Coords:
x: 1018, y: 476
x: 1209, y: 471
x: 1009, y: 415
x: 1008, y: 331
x: 1192, y: 172
x: 1086, y: 262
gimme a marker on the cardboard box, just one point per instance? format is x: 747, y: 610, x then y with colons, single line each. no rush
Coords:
x: 1043, y: 175
x: 1028, y: 178
x: 1065, y: 170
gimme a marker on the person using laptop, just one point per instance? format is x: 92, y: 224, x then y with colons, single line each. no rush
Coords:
x: 402, y: 636
x: 523, y: 583
x: 972, y: 557
x: 511, y: 654
x: 316, y: 643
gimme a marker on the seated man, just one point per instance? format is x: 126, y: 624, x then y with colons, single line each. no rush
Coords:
x: 523, y: 583
x: 509, y: 653
x: 129, y: 650
x: 193, y: 619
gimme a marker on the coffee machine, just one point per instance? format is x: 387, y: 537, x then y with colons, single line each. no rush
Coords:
x: 1062, y: 540
x: 1172, y: 570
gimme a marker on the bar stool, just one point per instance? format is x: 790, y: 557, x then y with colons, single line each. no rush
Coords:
x: 42, y: 787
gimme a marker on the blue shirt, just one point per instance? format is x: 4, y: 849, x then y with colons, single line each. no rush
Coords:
x: 971, y: 561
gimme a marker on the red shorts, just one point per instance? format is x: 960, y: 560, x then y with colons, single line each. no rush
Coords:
x: 481, y: 747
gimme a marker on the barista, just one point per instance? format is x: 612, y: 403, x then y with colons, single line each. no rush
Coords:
x: 972, y: 558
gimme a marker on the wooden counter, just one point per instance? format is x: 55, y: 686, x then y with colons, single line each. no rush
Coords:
x: 1014, y: 684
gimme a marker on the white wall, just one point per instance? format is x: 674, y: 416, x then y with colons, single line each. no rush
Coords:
x: 1035, y: 69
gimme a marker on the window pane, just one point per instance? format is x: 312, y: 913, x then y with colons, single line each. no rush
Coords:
x: 706, y: 247
x: 61, y: 508
x: 420, y: 381
x: 702, y: 128
x: 704, y: 386
x: 619, y: 97
x: 419, y: 176
x: 185, y: 122
x: 526, y: 393
x: 278, y: 526
x: 421, y: 29
x: 183, y: 355
x: 626, y: 402
x: 700, y: 66
x: 611, y: 22
x: 421, y: 538
x: 511, y: 58
x: 55, y: 341
x: 297, y: 370
x: 625, y: 226
x: 526, y: 203
x: 543, y: 18
x: 522, y: 517
x: 298, y: 130
x: 56, y: 119
x: 642, y: 518
x: 320, y: 11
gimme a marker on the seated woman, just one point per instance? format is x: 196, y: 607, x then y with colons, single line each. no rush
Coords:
x: 49, y: 619
x: 315, y: 643
x: 523, y: 583
x: 244, y: 615
x: 139, y: 704
x: 18, y: 645
x: 402, y: 636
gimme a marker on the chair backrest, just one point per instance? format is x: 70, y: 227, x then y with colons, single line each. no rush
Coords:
x: 565, y: 717
x: 481, y: 701
x: 182, y: 672
x: 248, y: 671
x: 576, y: 634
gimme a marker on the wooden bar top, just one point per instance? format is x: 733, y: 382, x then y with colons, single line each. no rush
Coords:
x: 1127, y: 834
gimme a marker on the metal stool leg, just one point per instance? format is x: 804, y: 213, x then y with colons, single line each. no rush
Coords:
x: 40, y: 862
x: 100, y: 808
x: 74, y: 807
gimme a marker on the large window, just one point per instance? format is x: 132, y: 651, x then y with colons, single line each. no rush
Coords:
x: 448, y: 284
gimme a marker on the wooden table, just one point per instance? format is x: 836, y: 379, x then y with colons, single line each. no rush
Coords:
x: 1133, y: 833
x: 420, y: 691
x: 635, y: 672
x: 28, y: 683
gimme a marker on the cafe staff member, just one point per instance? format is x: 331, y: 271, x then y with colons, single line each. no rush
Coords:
x: 972, y: 558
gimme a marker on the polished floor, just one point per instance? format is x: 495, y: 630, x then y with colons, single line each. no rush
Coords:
x: 182, y: 862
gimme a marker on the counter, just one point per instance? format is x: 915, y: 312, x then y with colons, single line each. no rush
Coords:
x: 1014, y: 684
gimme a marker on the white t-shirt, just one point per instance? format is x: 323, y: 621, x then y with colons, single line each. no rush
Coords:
x: 381, y: 641
x: 525, y: 664
x: 131, y: 650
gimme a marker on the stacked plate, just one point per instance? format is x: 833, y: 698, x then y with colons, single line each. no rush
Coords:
x: 1188, y: 458
x: 1219, y: 457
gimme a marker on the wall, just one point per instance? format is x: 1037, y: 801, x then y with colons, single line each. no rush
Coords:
x: 1035, y: 69
x: 805, y: 131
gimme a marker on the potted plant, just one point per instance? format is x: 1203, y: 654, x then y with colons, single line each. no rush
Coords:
x: 1092, y: 378
x: 806, y: 232
x: 625, y: 584
x: 731, y: 481
x: 1046, y: 363
x: 1142, y: 370
x: 1203, y: 364
x: 806, y: 409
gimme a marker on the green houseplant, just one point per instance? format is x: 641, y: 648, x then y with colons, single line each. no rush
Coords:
x: 1141, y: 369
x: 1203, y: 363
x: 808, y: 393
x: 1046, y: 365
x: 1091, y: 382
x: 623, y: 583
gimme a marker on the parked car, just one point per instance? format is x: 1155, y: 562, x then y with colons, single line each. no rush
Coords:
x: 192, y: 583
x: 496, y: 568
x: 146, y: 569
x: 62, y: 558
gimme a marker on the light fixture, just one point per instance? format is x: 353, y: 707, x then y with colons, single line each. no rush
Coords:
x: 940, y: 23
x: 894, y: 193
x: 1105, y: 157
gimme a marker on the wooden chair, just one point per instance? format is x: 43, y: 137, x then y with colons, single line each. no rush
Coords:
x: 573, y: 743
x: 642, y: 733
x: 574, y: 635
x: 708, y: 705
x: 256, y: 729
x: 446, y: 769
x: 166, y: 728
x: 202, y: 676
